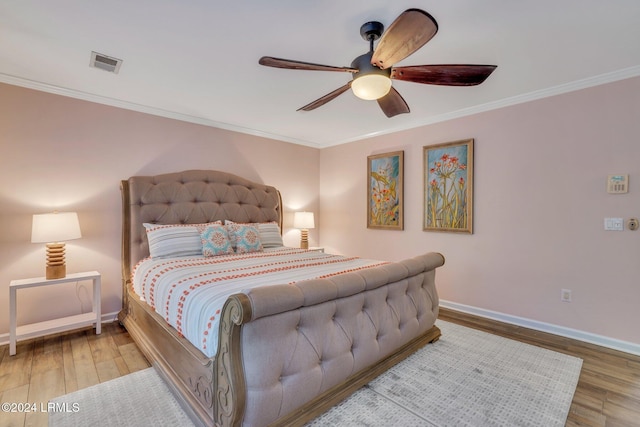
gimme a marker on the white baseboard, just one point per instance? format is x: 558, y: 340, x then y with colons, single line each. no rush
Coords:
x: 613, y: 343
x: 105, y: 318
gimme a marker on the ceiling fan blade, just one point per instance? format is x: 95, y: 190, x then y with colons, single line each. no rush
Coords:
x: 328, y: 97
x: 270, y: 61
x: 447, y: 75
x: 393, y: 104
x: 408, y: 33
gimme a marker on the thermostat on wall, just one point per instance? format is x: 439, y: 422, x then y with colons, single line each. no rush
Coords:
x: 618, y: 184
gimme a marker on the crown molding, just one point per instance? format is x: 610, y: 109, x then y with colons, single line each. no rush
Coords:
x: 112, y: 102
x: 625, y: 73
x: 494, y: 105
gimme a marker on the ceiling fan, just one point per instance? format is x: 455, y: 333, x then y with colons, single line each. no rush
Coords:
x: 373, y: 71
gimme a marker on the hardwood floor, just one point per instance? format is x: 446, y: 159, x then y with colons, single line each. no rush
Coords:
x: 608, y: 393
x: 44, y: 368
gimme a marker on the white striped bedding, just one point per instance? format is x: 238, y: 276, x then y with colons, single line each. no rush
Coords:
x: 189, y: 292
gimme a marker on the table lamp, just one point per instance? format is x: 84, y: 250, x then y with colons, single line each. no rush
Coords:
x: 54, y: 229
x: 303, y: 221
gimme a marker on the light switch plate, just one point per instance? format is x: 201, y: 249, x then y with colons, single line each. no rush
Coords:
x: 614, y: 224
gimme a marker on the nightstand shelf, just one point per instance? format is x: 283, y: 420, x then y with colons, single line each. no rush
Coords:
x: 57, y: 325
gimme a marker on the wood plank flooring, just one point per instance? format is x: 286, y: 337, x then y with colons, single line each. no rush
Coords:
x: 608, y: 393
x: 48, y: 367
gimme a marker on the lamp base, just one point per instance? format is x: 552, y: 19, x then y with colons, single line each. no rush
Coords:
x: 56, y: 268
x: 304, y: 239
x: 56, y: 271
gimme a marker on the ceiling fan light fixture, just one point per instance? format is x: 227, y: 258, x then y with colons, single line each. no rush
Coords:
x: 370, y: 82
x: 371, y: 86
x: 373, y: 71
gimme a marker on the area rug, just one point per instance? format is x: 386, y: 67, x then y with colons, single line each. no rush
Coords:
x: 467, y: 378
x: 138, y: 399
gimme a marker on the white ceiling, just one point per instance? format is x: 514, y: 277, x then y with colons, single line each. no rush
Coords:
x: 197, y: 60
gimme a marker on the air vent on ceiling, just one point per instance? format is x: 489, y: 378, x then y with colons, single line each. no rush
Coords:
x: 105, y: 62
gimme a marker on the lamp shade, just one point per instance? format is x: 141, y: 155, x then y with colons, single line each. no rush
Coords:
x: 55, y: 227
x: 303, y: 220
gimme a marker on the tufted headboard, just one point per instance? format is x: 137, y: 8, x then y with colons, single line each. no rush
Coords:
x: 189, y: 197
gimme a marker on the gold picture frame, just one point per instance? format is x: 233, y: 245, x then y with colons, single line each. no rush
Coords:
x: 385, y: 186
x: 448, y: 187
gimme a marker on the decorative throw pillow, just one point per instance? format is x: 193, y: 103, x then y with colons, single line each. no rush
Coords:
x: 215, y: 241
x: 174, y: 240
x: 245, y: 238
x: 270, y: 234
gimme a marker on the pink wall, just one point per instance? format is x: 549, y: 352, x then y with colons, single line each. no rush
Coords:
x: 540, y: 201
x: 65, y: 154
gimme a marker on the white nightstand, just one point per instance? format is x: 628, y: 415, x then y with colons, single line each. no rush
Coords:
x: 316, y: 248
x: 57, y: 325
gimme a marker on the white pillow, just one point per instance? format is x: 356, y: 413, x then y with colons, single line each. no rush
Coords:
x: 270, y: 235
x: 174, y: 240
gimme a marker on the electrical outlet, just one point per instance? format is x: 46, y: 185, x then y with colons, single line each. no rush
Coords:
x: 565, y: 295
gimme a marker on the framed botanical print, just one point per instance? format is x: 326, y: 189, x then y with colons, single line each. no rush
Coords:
x: 448, y: 187
x: 385, y: 204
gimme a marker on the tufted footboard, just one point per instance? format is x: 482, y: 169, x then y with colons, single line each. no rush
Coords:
x: 291, y: 351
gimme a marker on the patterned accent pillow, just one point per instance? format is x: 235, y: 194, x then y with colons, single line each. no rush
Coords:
x: 174, y: 240
x: 215, y: 241
x: 270, y: 234
x: 245, y: 238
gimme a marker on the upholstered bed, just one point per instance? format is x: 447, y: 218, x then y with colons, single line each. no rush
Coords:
x: 284, y: 352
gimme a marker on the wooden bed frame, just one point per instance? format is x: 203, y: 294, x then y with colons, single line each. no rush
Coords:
x: 241, y: 385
